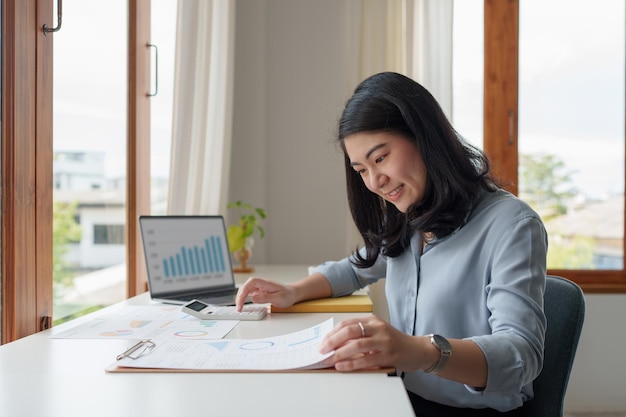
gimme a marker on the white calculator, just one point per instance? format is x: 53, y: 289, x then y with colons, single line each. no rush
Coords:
x: 206, y: 311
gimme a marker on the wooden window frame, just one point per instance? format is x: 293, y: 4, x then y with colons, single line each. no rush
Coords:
x: 26, y: 146
x: 26, y: 161
x: 501, y: 128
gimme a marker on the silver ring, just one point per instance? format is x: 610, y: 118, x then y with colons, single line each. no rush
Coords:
x: 362, y: 329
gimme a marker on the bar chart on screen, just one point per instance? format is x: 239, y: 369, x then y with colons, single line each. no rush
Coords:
x: 195, y: 259
x: 186, y: 250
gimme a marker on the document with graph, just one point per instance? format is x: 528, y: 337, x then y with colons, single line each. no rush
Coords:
x: 147, y: 322
x: 298, y: 350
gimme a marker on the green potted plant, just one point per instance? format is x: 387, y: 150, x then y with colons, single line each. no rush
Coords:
x: 240, y: 235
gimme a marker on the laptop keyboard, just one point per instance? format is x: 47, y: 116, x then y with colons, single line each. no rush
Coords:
x: 224, y: 297
x: 229, y: 291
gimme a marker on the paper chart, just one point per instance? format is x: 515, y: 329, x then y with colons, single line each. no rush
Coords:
x: 298, y: 350
x: 149, y: 322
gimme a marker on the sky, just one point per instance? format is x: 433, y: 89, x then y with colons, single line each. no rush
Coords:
x: 90, y: 93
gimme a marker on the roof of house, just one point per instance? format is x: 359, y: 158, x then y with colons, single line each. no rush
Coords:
x: 600, y: 220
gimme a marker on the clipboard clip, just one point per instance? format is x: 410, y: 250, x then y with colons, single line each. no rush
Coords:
x: 141, y: 348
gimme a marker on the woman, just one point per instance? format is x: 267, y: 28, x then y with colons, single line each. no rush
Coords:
x: 465, y: 261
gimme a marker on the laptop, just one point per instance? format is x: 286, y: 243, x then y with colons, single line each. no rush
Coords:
x: 187, y: 258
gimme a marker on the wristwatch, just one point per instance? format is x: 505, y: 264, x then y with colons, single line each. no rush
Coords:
x: 445, y: 350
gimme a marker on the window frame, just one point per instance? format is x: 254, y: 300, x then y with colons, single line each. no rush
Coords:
x: 501, y: 41
x: 26, y: 156
x: 26, y: 161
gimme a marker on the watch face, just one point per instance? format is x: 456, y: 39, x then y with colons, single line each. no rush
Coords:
x: 442, y: 343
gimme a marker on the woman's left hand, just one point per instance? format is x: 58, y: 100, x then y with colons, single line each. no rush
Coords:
x: 373, y: 343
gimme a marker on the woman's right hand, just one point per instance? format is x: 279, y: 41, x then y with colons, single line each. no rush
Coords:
x: 262, y: 291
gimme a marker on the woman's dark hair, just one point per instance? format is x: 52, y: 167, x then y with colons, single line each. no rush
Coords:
x: 456, y: 171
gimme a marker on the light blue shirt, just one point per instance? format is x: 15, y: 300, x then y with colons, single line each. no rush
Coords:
x: 485, y: 282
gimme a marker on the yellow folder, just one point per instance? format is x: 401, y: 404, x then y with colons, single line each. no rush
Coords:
x: 348, y: 304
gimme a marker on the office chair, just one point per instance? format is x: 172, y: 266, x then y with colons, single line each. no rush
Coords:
x: 564, y: 306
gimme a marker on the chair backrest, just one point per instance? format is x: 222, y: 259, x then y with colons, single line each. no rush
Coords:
x: 564, y: 306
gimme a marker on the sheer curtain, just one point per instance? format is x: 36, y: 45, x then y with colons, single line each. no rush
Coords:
x: 430, y: 60
x: 203, y: 89
x: 412, y: 37
x: 377, y: 37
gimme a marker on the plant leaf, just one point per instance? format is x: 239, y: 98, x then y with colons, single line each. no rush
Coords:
x: 261, y: 212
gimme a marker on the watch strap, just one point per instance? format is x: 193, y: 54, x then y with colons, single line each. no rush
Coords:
x: 445, y: 351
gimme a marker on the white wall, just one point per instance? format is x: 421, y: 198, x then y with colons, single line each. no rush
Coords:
x: 598, y: 380
x: 290, y: 85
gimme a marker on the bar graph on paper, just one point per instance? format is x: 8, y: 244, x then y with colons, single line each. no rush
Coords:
x: 187, y: 252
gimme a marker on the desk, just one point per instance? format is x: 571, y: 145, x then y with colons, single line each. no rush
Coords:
x: 47, y: 377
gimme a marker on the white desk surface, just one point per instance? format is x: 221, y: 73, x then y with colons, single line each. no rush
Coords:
x: 47, y: 377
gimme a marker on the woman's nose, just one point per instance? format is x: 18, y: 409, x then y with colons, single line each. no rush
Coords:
x: 378, y: 180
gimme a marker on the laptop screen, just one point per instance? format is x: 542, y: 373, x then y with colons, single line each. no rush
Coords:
x: 186, y: 254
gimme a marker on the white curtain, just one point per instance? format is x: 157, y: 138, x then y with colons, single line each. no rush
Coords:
x: 414, y: 38
x: 430, y: 62
x: 201, y: 128
x: 377, y: 38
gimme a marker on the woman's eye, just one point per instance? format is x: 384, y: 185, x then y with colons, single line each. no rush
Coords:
x: 380, y: 158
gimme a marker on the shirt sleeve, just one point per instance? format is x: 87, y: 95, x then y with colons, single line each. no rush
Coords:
x: 345, y: 278
x: 514, y: 350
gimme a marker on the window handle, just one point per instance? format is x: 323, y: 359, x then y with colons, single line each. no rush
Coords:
x: 511, y: 127
x: 46, y: 29
x: 45, y: 323
x: 156, y: 70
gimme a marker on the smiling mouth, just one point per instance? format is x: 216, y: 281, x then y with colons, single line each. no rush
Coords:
x: 394, y: 193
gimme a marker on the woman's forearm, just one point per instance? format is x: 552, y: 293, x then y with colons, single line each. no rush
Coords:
x: 312, y: 287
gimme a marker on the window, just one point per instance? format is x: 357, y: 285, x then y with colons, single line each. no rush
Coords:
x: 163, y: 37
x: 571, y: 106
x: 554, y: 107
x: 112, y: 234
x: 467, y: 70
x: 27, y: 157
x: 89, y: 145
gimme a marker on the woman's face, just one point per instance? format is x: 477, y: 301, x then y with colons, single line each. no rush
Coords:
x: 390, y: 166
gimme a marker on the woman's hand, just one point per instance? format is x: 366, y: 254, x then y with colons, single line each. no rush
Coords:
x: 265, y: 291
x: 373, y: 343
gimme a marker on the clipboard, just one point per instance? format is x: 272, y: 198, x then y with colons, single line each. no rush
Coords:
x: 115, y: 368
x: 293, y: 352
x: 144, y: 347
x: 137, y: 350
